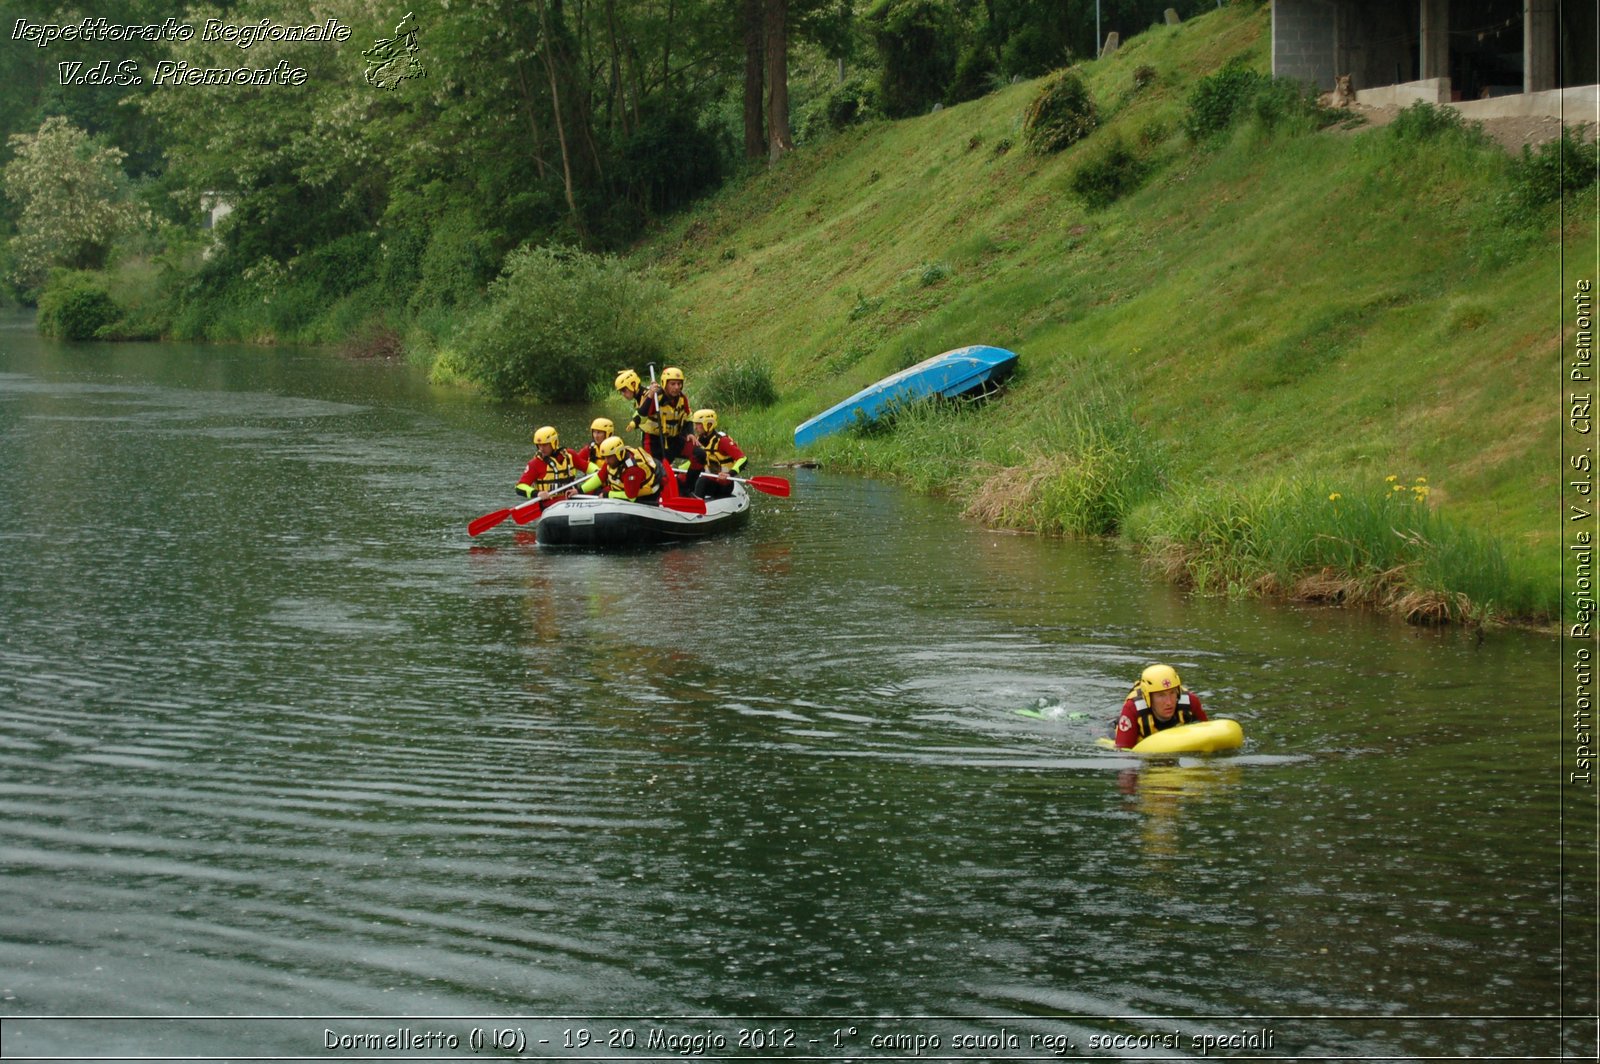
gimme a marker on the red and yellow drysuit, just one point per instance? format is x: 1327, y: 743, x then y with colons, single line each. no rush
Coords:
x: 1138, y: 719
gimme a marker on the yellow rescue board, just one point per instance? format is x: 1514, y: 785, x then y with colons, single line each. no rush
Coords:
x: 1201, y: 737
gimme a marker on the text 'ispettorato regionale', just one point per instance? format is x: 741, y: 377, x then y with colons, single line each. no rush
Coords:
x: 177, y: 72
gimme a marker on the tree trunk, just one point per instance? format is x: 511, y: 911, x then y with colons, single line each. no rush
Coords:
x: 526, y: 92
x: 779, y: 139
x: 755, y: 138
x: 666, y: 48
x: 617, y: 104
x: 561, y: 131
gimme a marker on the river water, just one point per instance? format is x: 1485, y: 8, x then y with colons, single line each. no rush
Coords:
x: 292, y: 767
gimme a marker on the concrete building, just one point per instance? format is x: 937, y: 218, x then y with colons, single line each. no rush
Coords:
x: 1488, y: 57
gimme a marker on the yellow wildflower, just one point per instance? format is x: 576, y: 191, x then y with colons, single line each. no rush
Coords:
x: 1390, y: 479
x: 1335, y: 497
x: 1422, y: 480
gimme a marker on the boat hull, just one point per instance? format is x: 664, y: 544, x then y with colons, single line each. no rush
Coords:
x: 954, y: 373
x: 587, y: 521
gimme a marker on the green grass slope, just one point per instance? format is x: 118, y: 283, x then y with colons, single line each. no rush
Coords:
x: 1271, y: 319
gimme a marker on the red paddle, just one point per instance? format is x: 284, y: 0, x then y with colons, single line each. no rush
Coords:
x: 669, y: 484
x: 770, y: 485
x: 488, y: 521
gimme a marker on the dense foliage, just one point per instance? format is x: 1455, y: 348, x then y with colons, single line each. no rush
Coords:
x: 1110, y: 174
x: 72, y: 202
x: 1061, y: 115
x: 1555, y: 169
x: 558, y: 323
x: 490, y: 125
x: 76, y: 306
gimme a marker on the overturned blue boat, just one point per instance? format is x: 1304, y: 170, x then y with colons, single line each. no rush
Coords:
x: 954, y: 373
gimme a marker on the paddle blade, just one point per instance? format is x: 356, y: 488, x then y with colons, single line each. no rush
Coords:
x: 685, y: 505
x: 486, y: 522
x: 528, y: 511
x: 771, y: 485
x: 669, y: 482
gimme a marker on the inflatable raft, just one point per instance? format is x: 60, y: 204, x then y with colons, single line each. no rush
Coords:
x: 588, y: 521
x: 1201, y: 737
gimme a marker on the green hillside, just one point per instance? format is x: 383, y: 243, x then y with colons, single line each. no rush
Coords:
x: 1275, y: 316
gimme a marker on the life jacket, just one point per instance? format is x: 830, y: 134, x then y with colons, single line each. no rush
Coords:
x: 1149, y: 725
x: 558, y: 469
x: 659, y: 409
x: 633, y: 458
x: 720, y: 452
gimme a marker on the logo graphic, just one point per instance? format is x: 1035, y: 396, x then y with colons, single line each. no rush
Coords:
x: 392, y: 60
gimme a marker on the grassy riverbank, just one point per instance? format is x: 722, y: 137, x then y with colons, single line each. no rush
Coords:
x: 1278, y: 315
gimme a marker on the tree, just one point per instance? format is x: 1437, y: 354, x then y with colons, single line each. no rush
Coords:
x: 917, y: 42
x: 755, y: 76
x: 766, y: 28
x: 779, y: 139
x: 73, y: 201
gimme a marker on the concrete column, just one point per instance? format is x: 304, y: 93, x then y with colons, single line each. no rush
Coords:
x: 1540, y: 21
x: 1435, y: 38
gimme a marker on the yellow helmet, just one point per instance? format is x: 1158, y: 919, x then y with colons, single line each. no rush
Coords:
x: 612, y: 447
x: 547, y: 434
x: 603, y: 424
x: 1159, y: 678
x: 627, y: 380
x: 671, y: 373
x: 705, y: 419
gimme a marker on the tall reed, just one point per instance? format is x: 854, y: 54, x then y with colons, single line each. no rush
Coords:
x: 1377, y: 543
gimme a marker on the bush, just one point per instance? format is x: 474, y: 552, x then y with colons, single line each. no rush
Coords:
x: 1095, y: 466
x: 1423, y: 121
x: 847, y: 104
x: 1544, y: 175
x: 1285, y: 102
x: 745, y: 384
x: 457, y: 263
x: 1060, y: 116
x: 341, y: 265
x: 975, y: 75
x: 1236, y: 92
x: 76, y: 306
x: 670, y: 160
x: 1030, y: 52
x: 559, y: 322
x: 1109, y: 176
x: 1216, y: 102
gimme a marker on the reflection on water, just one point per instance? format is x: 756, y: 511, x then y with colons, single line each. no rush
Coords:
x: 281, y: 739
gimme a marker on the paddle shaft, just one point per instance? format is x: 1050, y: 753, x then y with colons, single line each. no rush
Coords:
x: 546, y: 496
x: 661, y: 419
x: 522, y: 512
